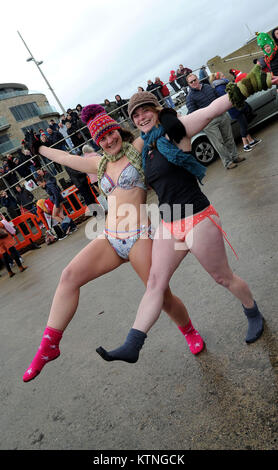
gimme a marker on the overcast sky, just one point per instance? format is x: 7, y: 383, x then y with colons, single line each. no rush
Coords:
x: 92, y: 50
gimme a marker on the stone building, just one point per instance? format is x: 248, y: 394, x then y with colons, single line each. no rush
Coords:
x: 241, y: 59
x: 21, y: 109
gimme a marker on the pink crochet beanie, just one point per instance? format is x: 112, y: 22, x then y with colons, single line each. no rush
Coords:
x: 98, y: 121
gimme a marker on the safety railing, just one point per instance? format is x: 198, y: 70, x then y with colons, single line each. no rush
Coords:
x: 45, y: 110
x: 13, y: 94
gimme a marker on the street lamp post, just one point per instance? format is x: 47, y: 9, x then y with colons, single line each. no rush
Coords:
x: 32, y: 58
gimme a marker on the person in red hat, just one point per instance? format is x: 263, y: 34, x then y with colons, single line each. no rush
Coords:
x: 165, y: 93
x: 172, y: 81
x: 237, y: 74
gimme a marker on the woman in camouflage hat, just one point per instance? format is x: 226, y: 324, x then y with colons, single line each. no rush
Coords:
x: 173, y: 173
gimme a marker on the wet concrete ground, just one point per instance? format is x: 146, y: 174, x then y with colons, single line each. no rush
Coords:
x: 224, y: 399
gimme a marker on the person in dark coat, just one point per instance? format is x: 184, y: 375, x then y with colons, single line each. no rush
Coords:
x: 23, y: 170
x: 53, y: 125
x: 182, y: 73
x: 154, y: 88
x: 54, y: 138
x: 75, y: 135
x: 112, y: 109
x: 25, y: 199
x: 275, y: 35
x: 78, y: 109
x: 72, y: 115
x: 80, y: 180
x: 203, y: 75
x: 8, y: 166
x: 8, y: 201
x: 121, y: 102
x: 49, y: 184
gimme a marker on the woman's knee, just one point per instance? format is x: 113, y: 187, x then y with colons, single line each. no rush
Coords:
x: 156, y: 282
x: 223, y: 279
x: 69, y: 277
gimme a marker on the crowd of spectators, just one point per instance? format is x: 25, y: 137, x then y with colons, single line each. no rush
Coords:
x: 21, y: 172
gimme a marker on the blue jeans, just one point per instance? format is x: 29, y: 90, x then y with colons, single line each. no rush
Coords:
x: 169, y: 102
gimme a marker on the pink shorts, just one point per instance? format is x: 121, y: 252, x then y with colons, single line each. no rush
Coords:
x: 181, y: 228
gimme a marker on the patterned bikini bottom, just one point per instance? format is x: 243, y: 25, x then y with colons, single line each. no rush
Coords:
x: 122, y: 246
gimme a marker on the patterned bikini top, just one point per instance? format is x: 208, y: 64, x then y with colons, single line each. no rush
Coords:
x: 129, y: 178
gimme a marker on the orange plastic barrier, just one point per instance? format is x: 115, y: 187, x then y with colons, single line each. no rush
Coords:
x: 72, y: 191
x: 27, y: 224
x: 92, y: 190
x: 28, y: 230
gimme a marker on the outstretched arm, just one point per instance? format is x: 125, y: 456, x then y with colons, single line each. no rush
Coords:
x: 84, y: 164
x: 196, y: 121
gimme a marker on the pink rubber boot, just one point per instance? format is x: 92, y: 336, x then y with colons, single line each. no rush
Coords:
x: 48, y: 351
x: 193, y: 338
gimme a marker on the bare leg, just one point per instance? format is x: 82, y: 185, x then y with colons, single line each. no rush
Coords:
x: 165, y: 260
x: 58, y: 213
x: 129, y: 351
x: 208, y: 247
x: 172, y: 305
x: 93, y: 261
x: 96, y: 259
x: 157, y: 297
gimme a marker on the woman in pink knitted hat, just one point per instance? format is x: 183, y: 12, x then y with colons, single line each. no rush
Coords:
x: 121, y: 179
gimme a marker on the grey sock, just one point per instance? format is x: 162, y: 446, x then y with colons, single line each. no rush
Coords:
x: 129, y: 351
x: 255, y: 323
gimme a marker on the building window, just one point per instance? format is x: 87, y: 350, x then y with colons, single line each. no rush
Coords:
x: 4, y: 138
x: 36, y: 127
x: 25, y: 111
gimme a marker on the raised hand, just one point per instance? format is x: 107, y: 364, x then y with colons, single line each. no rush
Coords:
x: 274, y: 80
x: 172, y: 125
x: 32, y: 142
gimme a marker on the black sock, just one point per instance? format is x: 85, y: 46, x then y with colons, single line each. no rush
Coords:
x: 129, y: 351
x: 255, y: 323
